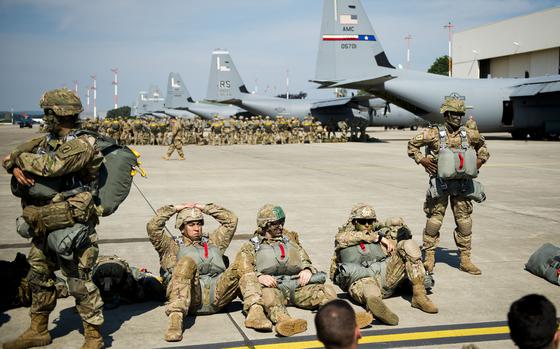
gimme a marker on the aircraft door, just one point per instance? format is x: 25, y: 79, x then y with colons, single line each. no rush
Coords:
x: 507, y: 114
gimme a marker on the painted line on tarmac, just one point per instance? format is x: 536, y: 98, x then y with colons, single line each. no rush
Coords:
x: 389, y: 338
x: 113, y: 241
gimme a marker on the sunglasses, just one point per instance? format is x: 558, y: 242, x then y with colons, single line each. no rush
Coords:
x: 276, y: 223
x: 365, y: 221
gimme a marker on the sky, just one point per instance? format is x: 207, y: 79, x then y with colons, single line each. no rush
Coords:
x: 48, y: 44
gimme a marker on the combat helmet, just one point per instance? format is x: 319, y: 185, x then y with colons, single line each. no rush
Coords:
x: 62, y: 101
x: 269, y: 213
x: 188, y: 215
x: 362, y: 211
x: 456, y: 105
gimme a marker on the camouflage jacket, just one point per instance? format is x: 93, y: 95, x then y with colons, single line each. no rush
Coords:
x: 167, y: 247
x: 429, y: 138
x: 47, y: 156
x: 348, y: 236
x: 177, y: 130
x: 247, y: 257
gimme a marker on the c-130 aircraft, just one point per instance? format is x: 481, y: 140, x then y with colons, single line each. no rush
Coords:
x: 350, y: 55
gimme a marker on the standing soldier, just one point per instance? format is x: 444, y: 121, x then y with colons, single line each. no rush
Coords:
x: 196, y: 276
x: 216, y: 127
x: 367, y: 266
x: 176, y: 139
x: 343, y: 127
x: 454, y: 153
x: 59, y: 157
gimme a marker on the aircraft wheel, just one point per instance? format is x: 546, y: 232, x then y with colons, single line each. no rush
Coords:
x: 413, y: 128
x: 537, y: 135
x: 519, y: 135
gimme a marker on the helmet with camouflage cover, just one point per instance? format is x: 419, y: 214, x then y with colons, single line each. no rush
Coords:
x: 62, y: 101
x: 188, y: 215
x: 269, y: 213
x: 453, y: 105
x: 362, y: 211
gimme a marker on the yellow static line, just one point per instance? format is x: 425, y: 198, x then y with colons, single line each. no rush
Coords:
x: 398, y: 337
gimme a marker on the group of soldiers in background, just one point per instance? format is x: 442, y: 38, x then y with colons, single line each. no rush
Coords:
x: 226, y: 131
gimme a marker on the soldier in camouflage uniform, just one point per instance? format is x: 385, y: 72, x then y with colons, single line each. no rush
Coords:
x: 176, y: 139
x: 195, y: 273
x: 276, y: 270
x: 63, y: 157
x: 369, y: 266
x: 453, y: 109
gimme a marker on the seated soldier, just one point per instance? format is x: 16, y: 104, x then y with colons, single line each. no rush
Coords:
x: 273, y: 263
x: 119, y: 283
x: 369, y: 266
x: 194, y: 268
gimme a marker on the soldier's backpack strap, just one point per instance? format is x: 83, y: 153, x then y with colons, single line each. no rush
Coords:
x: 464, y: 140
x: 442, y: 137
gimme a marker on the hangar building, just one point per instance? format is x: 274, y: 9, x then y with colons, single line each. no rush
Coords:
x: 524, y: 46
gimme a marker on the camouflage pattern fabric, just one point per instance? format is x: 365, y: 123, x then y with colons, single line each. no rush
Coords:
x: 273, y: 300
x: 435, y: 208
x: 176, y: 140
x: 453, y: 105
x: 62, y: 101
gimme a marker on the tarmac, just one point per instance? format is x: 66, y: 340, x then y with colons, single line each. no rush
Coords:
x: 317, y: 184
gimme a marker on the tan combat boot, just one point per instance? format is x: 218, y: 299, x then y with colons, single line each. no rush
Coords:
x: 93, y: 337
x: 467, y: 266
x: 175, y: 329
x: 363, y: 319
x: 430, y: 261
x: 286, y: 326
x: 181, y: 158
x: 421, y: 301
x: 257, y: 320
x: 36, y: 335
x: 165, y: 157
x: 381, y: 312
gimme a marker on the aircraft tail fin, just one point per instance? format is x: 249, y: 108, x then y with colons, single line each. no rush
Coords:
x: 224, y: 82
x: 348, y: 45
x: 177, y: 94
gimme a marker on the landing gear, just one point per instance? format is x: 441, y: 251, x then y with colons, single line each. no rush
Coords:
x: 519, y: 135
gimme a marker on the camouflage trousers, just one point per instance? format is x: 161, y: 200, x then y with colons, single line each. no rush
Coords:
x: 176, y: 145
x: 78, y: 272
x: 435, y: 211
x: 185, y: 294
x: 308, y: 297
x: 405, y: 262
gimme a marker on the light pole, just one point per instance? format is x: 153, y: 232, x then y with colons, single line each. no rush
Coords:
x: 408, y: 38
x: 450, y: 27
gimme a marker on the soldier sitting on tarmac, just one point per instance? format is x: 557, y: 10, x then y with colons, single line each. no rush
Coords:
x: 194, y: 269
x: 369, y: 266
x: 275, y: 265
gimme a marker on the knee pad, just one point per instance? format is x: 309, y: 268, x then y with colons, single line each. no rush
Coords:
x: 77, y: 288
x: 464, y: 227
x: 185, y: 267
x: 412, y: 250
x: 433, y: 225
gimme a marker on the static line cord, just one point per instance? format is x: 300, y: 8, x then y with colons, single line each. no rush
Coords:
x: 152, y: 207
x: 246, y: 339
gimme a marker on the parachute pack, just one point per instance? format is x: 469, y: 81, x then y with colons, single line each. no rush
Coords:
x: 120, y: 164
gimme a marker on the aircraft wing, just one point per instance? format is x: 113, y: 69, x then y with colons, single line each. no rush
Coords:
x: 355, y: 83
x: 330, y: 102
x: 536, y: 86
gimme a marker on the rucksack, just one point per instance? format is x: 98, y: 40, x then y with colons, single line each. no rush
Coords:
x: 545, y: 262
